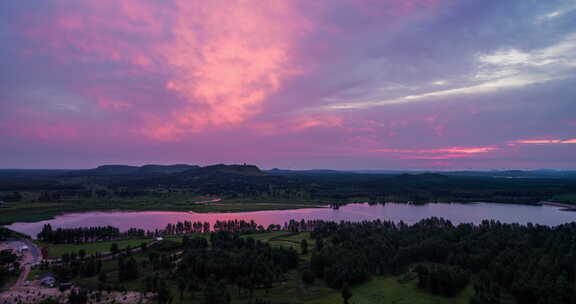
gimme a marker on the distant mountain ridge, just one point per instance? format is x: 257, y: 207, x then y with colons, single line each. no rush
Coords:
x: 473, y: 173
x: 244, y: 169
x: 136, y: 170
x: 178, y: 169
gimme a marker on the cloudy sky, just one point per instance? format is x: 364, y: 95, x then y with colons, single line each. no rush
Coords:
x: 343, y: 84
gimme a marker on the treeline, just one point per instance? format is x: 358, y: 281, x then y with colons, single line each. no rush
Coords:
x: 86, y: 234
x: 529, y: 264
x: 302, y: 225
x: 341, y: 187
x: 186, y: 227
x: 123, y: 193
x: 108, y: 233
x: 237, y: 226
x: 11, y: 197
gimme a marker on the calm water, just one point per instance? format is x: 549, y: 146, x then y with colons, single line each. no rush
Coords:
x: 457, y: 213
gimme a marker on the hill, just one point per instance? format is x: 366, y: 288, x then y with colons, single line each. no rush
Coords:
x: 114, y: 170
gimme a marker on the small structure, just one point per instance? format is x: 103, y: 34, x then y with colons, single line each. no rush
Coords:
x: 23, y: 249
x: 48, y: 280
x: 159, y: 238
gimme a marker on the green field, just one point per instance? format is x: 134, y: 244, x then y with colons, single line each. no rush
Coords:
x: 56, y: 251
x: 389, y: 290
x: 266, y: 236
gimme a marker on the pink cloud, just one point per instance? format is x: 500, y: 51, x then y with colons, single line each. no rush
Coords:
x: 460, y: 150
x: 544, y: 141
x: 439, y: 153
x: 221, y: 59
x: 297, y: 124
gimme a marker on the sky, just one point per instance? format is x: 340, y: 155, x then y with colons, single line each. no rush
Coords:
x: 296, y: 84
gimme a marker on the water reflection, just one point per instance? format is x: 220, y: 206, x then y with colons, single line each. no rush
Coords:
x: 457, y: 213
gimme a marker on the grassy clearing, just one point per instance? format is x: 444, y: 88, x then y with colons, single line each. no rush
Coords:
x: 295, y: 237
x: 36, y: 273
x: 293, y: 291
x: 265, y: 236
x: 293, y: 240
x: 56, y: 251
x: 388, y: 290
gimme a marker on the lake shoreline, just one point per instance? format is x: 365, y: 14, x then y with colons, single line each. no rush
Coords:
x: 562, y: 206
x: 409, y: 213
x: 216, y: 206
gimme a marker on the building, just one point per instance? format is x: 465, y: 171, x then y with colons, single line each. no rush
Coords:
x: 23, y: 248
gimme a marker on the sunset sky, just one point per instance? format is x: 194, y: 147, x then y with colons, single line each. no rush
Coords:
x: 340, y: 84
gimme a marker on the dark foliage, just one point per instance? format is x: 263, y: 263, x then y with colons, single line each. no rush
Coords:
x: 85, y: 235
x: 441, y: 279
x: 530, y: 264
x: 5, y: 233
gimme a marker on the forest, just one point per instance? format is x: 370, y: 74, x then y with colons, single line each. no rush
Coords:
x: 504, y: 263
x: 32, y: 195
x: 508, y: 263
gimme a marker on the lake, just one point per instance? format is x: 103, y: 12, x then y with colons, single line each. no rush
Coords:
x: 457, y: 213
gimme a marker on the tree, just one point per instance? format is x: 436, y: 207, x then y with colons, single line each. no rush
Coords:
x: 82, y: 254
x: 346, y: 293
x: 304, y: 246
x: 216, y: 293
x: 114, y: 249
x: 319, y: 244
x: 308, y: 277
x: 102, y: 277
x: 181, y: 287
x: 127, y: 270
x: 163, y: 293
